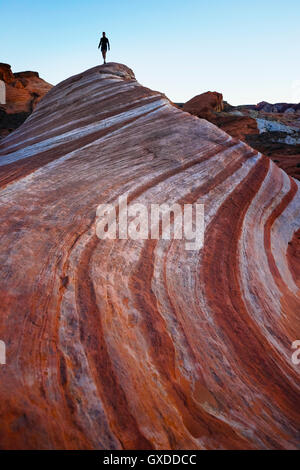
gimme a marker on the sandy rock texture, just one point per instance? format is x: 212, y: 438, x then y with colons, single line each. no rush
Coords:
x: 24, y: 90
x: 123, y: 344
x: 278, y: 137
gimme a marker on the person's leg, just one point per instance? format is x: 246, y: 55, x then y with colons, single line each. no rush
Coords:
x: 104, y: 55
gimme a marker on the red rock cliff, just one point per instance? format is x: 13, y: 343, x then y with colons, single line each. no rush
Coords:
x: 128, y: 344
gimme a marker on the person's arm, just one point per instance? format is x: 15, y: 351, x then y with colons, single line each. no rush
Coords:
x: 100, y: 43
x: 108, y: 45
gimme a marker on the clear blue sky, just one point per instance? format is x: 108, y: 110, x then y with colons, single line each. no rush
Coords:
x: 248, y: 50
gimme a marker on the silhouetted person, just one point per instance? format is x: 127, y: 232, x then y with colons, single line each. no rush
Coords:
x: 104, y: 43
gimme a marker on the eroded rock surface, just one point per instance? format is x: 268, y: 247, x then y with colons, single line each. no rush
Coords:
x: 24, y: 90
x: 123, y: 344
x: 205, y: 105
x: 271, y: 129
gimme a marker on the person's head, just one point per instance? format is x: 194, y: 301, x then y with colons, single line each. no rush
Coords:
x: 103, y: 34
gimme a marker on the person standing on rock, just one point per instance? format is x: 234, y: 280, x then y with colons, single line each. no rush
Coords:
x: 104, y: 44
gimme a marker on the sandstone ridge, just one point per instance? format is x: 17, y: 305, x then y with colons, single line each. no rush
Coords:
x: 123, y: 344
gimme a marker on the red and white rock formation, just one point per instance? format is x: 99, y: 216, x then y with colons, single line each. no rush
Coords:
x: 123, y: 344
x: 279, y: 139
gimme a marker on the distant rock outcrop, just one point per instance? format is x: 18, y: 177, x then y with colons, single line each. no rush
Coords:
x: 244, y: 123
x: 236, y: 125
x: 23, y: 92
x: 277, y: 107
x: 6, y: 73
x: 205, y: 105
x: 141, y: 344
